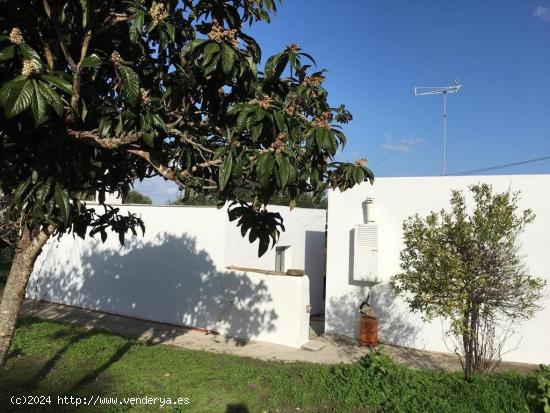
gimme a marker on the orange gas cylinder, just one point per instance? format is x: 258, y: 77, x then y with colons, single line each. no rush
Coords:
x: 368, y: 332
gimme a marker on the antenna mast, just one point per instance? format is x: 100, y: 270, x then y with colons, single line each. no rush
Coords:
x: 444, y: 90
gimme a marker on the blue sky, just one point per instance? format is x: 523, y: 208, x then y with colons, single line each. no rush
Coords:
x: 376, y: 51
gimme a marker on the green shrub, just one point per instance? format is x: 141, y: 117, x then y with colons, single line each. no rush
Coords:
x: 539, y: 394
x: 135, y: 197
x: 385, y: 386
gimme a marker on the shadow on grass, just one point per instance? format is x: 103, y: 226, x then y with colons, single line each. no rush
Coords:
x: 93, y: 375
x: 70, y: 338
x: 34, y: 382
x: 237, y: 408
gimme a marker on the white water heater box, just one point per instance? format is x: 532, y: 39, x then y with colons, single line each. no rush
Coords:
x: 365, y: 252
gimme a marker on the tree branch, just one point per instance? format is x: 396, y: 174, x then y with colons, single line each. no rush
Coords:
x: 59, y: 35
x: 77, y: 73
x: 92, y: 138
x: 116, y: 18
x: 184, y: 137
x: 163, y: 170
x: 48, y: 54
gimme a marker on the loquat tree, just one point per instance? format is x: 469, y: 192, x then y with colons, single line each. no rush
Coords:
x: 98, y: 93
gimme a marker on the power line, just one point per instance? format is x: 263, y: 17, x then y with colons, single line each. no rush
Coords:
x: 507, y: 165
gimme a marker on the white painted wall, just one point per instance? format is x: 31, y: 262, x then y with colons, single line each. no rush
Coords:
x: 305, y: 234
x: 395, y: 199
x: 176, y: 274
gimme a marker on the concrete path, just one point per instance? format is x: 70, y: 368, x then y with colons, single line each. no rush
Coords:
x: 335, y: 349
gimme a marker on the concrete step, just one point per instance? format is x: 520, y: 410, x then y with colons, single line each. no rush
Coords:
x: 313, y: 345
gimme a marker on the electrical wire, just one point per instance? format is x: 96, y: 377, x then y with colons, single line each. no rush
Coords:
x: 507, y: 165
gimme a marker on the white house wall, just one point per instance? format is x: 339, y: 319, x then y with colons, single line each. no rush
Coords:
x: 395, y: 199
x: 305, y: 235
x: 176, y: 274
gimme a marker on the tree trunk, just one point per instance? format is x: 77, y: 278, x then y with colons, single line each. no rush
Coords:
x: 28, y: 248
x: 467, y: 344
x: 468, y: 358
x: 476, y: 366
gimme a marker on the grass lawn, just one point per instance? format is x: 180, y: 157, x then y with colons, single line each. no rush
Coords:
x: 50, y: 358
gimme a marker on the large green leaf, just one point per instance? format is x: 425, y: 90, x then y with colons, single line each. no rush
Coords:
x: 270, y: 64
x: 146, y: 120
x: 228, y: 59
x: 322, y: 138
x: 357, y: 175
x: 63, y: 203
x: 242, y: 118
x: 92, y: 60
x: 256, y: 131
x: 264, y: 167
x: 60, y: 82
x: 225, y: 171
x: 19, y: 98
x: 38, y: 104
x: 171, y: 31
x: 209, y: 51
x: 331, y: 142
x: 284, y: 169
x: 136, y: 27
x: 130, y: 83
x: 189, y: 47
x: 30, y: 54
x: 275, y: 65
x: 263, y: 245
x: 280, y: 65
x: 84, y: 112
x: 213, y: 65
x: 159, y: 122
x: 149, y: 139
x: 5, y: 91
x: 280, y: 121
x: 43, y: 193
x: 104, y: 126
x: 51, y: 96
x: 253, y: 46
x: 259, y: 114
x: 21, y: 190
x: 7, y: 53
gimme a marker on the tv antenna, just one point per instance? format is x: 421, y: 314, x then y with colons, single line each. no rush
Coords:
x: 444, y: 90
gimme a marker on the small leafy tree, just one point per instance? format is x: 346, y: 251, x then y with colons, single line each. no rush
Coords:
x: 97, y: 93
x: 466, y: 268
x: 135, y: 197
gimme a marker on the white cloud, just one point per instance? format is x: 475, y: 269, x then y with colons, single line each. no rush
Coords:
x: 542, y: 13
x: 402, y: 146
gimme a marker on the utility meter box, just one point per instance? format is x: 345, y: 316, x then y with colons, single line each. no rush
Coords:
x: 365, y: 252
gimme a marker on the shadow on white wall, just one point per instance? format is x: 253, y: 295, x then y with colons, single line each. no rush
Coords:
x: 164, y: 279
x: 393, y: 326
